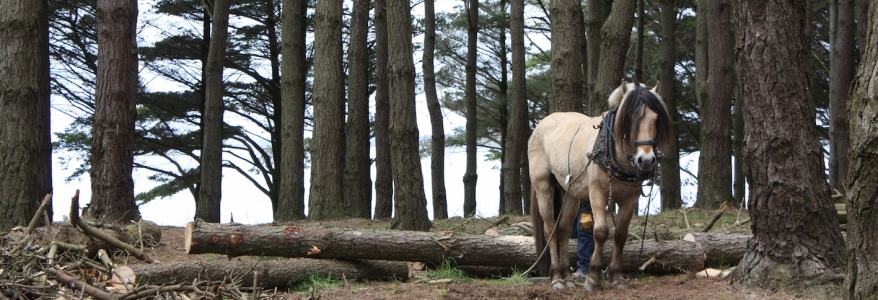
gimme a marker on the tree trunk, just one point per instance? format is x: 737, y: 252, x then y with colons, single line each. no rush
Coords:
x: 271, y: 273
x: 638, y: 53
x: 596, y: 15
x: 112, y: 151
x: 357, y: 174
x: 471, y: 177
x: 207, y: 207
x: 702, y: 64
x: 383, y: 168
x: 795, y: 232
x: 437, y: 153
x: 503, y: 117
x: 714, y: 163
x: 516, y: 134
x: 566, y: 73
x: 410, y: 201
x: 274, y: 160
x: 327, y: 158
x: 841, y: 73
x: 862, y: 261
x: 466, y: 249
x: 291, y: 190
x: 25, y: 177
x: 670, y: 166
x: 615, y: 38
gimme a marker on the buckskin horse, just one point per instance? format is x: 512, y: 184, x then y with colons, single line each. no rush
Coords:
x: 575, y: 158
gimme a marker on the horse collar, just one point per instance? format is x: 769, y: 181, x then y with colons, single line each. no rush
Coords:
x: 604, y: 151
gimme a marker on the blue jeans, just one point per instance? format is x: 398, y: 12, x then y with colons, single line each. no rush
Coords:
x: 584, y: 239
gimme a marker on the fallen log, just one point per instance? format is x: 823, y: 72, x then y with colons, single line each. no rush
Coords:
x: 430, y: 247
x: 271, y: 273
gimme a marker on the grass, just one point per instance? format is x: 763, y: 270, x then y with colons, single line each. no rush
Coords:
x: 318, y: 283
x: 448, y: 270
x: 517, y: 278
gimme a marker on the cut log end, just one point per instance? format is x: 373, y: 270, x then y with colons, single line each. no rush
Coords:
x: 188, y: 237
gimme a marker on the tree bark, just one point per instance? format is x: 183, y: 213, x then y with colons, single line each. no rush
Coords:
x: 291, y: 190
x: 271, y: 273
x: 112, y: 151
x: 327, y: 157
x: 841, y: 73
x: 465, y: 249
x: 383, y: 165
x: 470, y: 178
x: 670, y: 166
x: 357, y: 174
x: 516, y: 134
x: 25, y: 148
x: 714, y: 163
x: 566, y: 73
x: 207, y: 207
x: 437, y: 153
x: 596, y: 14
x: 638, y: 47
x: 862, y: 247
x: 615, y: 39
x: 795, y: 232
x: 410, y: 201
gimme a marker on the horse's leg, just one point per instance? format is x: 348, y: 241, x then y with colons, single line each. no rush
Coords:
x: 599, y: 215
x: 623, y: 219
x: 570, y: 207
x: 545, y: 199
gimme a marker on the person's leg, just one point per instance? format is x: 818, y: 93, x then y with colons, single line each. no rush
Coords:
x: 584, y: 239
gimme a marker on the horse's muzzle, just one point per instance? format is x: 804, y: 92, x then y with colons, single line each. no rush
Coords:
x: 644, y: 162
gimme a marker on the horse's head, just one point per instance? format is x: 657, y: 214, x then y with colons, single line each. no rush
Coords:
x: 643, y: 125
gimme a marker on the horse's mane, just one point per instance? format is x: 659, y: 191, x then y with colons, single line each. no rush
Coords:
x: 632, y: 100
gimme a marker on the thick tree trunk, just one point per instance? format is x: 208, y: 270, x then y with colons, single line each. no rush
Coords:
x: 25, y: 149
x: 615, y: 39
x: 670, y: 165
x: 410, y: 205
x: 291, y: 190
x: 596, y: 15
x: 112, y: 151
x: 383, y: 170
x: 470, y: 178
x: 795, y: 232
x: 566, y: 73
x: 516, y: 134
x: 207, y: 207
x: 357, y: 174
x: 841, y: 73
x: 478, y: 250
x: 271, y: 273
x: 327, y: 158
x: 715, y: 164
x: 437, y: 155
x: 861, y: 281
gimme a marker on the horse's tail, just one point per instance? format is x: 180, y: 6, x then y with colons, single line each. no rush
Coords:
x: 544, y: 262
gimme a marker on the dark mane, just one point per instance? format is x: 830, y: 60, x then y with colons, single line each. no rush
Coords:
x: 630, y: 114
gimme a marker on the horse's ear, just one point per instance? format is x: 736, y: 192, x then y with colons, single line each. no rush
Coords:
x: 655, y: 89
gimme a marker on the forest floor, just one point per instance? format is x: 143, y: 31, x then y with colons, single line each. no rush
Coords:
x: 457, y: 285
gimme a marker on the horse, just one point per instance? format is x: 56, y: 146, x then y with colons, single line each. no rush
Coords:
x: 573, y: 157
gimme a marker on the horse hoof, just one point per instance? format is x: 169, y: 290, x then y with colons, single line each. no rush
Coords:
x: 559, y: 285
x: 592, y: 288
x: 570, y: 284
x: 620, y: 285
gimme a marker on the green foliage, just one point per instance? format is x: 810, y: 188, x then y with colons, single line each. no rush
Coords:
x: 448, y: 270
x: 318, y: 283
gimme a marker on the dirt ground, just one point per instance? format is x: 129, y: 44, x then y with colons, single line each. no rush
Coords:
x: 680, y: 286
